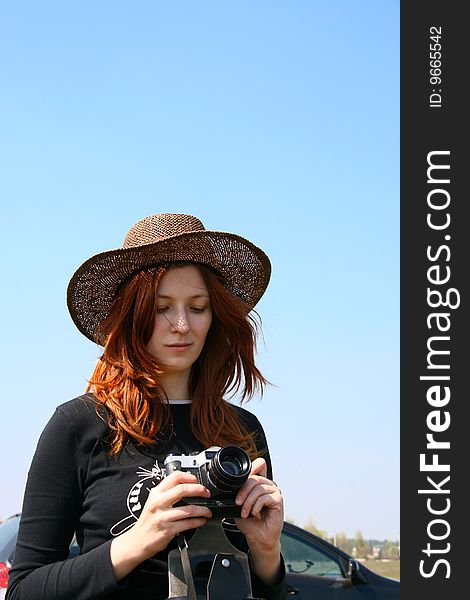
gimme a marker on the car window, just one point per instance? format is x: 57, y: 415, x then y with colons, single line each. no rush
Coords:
x: 8, y: 531
x: 304, y: 556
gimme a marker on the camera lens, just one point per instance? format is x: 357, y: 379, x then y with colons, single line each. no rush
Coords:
x: 231, y: 465
x: 229, y: 469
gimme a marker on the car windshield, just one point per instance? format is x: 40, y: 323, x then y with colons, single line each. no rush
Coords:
x: 8, y: 531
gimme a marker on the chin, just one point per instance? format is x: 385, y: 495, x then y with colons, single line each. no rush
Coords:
x: 176, y: 367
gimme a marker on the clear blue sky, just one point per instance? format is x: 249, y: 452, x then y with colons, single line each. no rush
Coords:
x: 275, y: 120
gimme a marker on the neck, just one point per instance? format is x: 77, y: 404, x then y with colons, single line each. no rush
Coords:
x: 176, y: 385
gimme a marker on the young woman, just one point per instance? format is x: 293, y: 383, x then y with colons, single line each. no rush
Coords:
x: 171, y: 309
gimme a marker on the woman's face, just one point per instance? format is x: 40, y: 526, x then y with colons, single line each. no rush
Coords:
x: 184, y: 315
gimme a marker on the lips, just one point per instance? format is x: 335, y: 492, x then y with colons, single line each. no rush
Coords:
x: 179, y: 347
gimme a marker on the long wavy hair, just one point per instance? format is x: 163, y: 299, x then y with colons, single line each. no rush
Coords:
x: 127, y: 378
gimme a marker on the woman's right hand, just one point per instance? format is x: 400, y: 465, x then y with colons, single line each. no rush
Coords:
x: 159, y: 522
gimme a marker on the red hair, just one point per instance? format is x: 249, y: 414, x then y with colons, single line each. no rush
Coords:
x: 127, y: 378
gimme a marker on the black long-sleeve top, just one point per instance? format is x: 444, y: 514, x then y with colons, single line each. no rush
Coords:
x: 75, y: 486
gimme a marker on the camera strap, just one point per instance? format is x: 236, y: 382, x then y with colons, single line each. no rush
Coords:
x: 229, y: 577
x: 188, y: 574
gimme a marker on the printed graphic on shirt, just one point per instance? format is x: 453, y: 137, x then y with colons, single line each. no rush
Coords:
x: 137, y: 497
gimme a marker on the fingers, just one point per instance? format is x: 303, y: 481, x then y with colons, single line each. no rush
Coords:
x: 173, y: 488
x: 187, y: 511
x: 160, y: 512
x: 161, y: 519
x: 257, y: 475
x: 256, y: 494
x: 186, y: 524
x: 259, y: 467
x: 262, y: 495
x: 248, y: 486
x: 272, y: 500
x: 176, y: 477
x: 183, y: 490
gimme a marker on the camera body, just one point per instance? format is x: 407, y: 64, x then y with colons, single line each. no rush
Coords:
x: 222, y: 470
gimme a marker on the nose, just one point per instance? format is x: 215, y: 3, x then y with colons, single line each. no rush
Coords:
x: 180, y: 324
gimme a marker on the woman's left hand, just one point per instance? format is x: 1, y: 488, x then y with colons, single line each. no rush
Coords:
x: 262, y: 519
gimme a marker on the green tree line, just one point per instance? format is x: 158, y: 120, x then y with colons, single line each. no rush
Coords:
x: 358, y: 546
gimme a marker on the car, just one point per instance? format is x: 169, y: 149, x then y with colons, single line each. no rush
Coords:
x: 317, y: 569
x: 314, y: 567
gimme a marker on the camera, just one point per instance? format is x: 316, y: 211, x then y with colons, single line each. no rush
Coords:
x: 221, y: 470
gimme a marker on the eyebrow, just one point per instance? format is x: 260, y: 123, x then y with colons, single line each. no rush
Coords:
x: 190, y: 297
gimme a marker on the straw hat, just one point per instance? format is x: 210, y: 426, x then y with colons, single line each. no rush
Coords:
x: 160, y: 239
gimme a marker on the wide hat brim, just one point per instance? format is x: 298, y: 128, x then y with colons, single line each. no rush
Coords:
x: 245, y: 269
